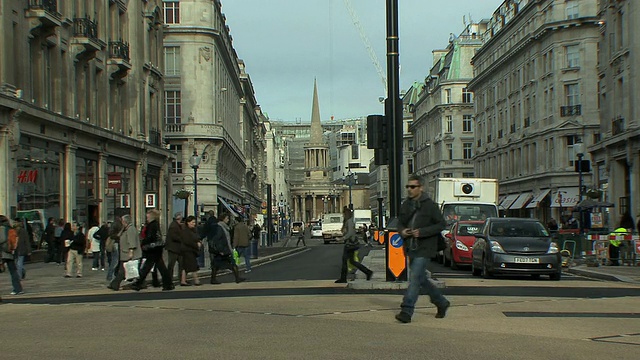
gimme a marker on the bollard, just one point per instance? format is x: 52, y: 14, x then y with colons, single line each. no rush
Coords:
x: 263, y: 238
x: 254, y: 248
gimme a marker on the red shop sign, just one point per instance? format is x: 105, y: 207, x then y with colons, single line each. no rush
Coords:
x: 27, y: 176
x: 114, y: 180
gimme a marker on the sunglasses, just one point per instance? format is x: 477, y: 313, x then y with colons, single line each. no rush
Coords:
x: 411, y: 186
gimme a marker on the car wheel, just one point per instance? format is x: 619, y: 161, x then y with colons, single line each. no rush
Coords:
x: 474, y: 271
x: 485, y: 268
x: 556, y: 276
x: 536, y: 276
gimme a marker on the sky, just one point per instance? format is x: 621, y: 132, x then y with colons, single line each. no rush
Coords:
x: 286, y: 44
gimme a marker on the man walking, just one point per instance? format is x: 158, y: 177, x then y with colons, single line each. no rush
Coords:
x: 303, y: 234
x: 8, y: 244
x: 241, y: 242
x: 420, y: 225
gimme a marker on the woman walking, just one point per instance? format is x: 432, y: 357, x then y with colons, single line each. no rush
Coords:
x: 153, y: 246
x: 221, y: 251
x: 351, y: 244
x: 189, y: 251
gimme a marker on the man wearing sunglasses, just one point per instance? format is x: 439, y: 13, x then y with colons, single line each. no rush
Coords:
x: 420, y: 225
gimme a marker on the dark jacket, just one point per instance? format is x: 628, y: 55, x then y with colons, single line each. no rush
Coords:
x: 152, y: 237
x: 79, y: 242
x: 49, y: 233
x: 190, y: 240
x: 102, y: 234
x: 428, y: 220
x: 210, y: 229
x: 24, y: 245
x: 115, y: 229
x: 174, y: 236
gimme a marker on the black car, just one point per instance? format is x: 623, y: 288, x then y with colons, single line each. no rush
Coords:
x: 515, y: 246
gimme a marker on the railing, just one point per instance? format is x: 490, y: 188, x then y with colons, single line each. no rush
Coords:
x: 617, y: 126
x: 571, y: 110
x: 84, y: 27
x: 46, y: 5
x: 173, y: 127
x: 119, y: 50
x: 155, y: 138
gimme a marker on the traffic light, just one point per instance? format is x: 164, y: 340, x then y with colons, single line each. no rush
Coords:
x: 377, y: 131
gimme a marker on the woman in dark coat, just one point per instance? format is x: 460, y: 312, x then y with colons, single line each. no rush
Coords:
x: 153, y: 245
x: 189, y: 251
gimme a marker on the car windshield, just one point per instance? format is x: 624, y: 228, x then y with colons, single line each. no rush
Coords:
x: 518, y: 229
x: 316, y: 227
x: 469, y: 229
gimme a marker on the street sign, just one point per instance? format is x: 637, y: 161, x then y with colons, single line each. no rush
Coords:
x: 380, y: 237
x: 397, y: 259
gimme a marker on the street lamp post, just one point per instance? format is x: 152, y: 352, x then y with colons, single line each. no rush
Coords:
x: 350, y: 177
x: 194, y: 161
x: 579, y: 149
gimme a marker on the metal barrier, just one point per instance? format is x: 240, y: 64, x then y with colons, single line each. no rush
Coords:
x: 629, y: 249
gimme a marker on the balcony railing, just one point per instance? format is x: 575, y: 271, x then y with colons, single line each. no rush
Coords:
x: 46, y: 5
x: 155, y: 138
x: 617, y: 126
x: 173, y: 128
x: 84, y: 27
x: 119, y: 50
x: 571, y: 110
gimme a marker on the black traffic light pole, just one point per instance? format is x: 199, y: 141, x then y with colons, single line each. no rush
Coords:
x: 393, y: 117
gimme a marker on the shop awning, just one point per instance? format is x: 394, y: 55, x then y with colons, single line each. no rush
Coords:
x: 521, y: 201
x: 226, y: 204
x: 569, y: 197
x: 508, y: 201
x: 538, y: 198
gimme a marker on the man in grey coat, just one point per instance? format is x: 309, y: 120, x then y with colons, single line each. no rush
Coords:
x: 420, y: 225
x: 129, y: 250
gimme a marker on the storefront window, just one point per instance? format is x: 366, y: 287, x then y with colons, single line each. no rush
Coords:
x: 38, y: 186
x: 86, y: 200
x: 118, y: 197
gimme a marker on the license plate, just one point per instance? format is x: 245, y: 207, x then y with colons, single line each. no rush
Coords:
x: 522, y: 260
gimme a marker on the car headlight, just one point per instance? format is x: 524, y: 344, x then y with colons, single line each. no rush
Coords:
x: 496, y: 247
x: 460, y: 246
x: 553, y: 248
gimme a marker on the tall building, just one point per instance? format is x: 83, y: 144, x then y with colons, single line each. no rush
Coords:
x: 534, y: 81
x: 81, y: 86
x: 211, y: 111
x: 616, y: 147
x: 444, y: 128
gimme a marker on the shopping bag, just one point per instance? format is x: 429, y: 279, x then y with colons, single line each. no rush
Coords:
x: 131, y: 269
x: 236, y: 257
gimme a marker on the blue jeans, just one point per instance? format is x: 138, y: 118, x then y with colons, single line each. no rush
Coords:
x: 113, y: 258
x: 417, y: 280
x: 246, y: 252
x: 20, y: 266
x: 13, y: 272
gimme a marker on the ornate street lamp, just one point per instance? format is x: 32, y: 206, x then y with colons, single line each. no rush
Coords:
x: 194, y: 161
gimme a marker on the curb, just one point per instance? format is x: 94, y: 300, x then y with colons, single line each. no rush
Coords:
x: 601, y: 276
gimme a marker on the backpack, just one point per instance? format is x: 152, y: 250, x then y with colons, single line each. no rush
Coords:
x: 12, y: 240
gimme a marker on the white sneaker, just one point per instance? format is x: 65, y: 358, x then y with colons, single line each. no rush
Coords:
x: 102, y: 269
x: 94, y: 269
x: 247, y: 271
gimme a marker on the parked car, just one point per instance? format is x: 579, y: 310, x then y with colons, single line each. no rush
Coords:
x: 515, y: 246
x: 459, y: 241
x: 316, y: 231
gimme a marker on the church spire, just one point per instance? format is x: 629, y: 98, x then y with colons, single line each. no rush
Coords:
x: 316, y: 126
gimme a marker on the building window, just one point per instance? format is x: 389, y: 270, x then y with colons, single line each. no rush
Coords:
x: 175, y: 147
x: 447, y: 175
x: 449, y: 124
x: 171, y: 11
x: 172, y: 107
x: 467, y: 123
x: 573, y: 10
x: 176, y: 167
x: 573, y: 56
x: 572, y: 93
x: 467, y: 152
x: 467, y: 96
x: 450, y: 151
x: 172, y: 60
x: 571, y: 141
x: 447, y: 96
x: 410, y: 165
x: 355, y: 153
x: 468, y: 175
x: 410, y: 145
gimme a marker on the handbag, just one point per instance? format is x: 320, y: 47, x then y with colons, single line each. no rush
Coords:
x: 236, y: 257
x: 159, y: 241
x: 131, y: 270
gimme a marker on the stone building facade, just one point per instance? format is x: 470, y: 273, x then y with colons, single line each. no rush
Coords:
x: 81, y: 87
x: 616, y: 148
x: 534, y: 81
x: 211, y: 111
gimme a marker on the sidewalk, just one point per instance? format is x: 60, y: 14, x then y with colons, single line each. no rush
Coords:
x: 49, y: 277
x: 628, y: 274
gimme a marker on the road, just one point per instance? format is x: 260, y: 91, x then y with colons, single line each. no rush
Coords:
x: 291, y: 309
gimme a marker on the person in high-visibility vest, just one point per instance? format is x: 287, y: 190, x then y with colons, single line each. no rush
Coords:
x: 614, y: 246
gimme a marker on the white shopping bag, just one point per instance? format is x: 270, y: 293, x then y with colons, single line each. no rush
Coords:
x: 131, y: 269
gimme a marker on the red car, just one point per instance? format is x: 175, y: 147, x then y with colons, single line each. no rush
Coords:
x: 459, y: 242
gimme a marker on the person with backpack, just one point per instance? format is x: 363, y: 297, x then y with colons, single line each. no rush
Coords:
x: 8, y: 245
